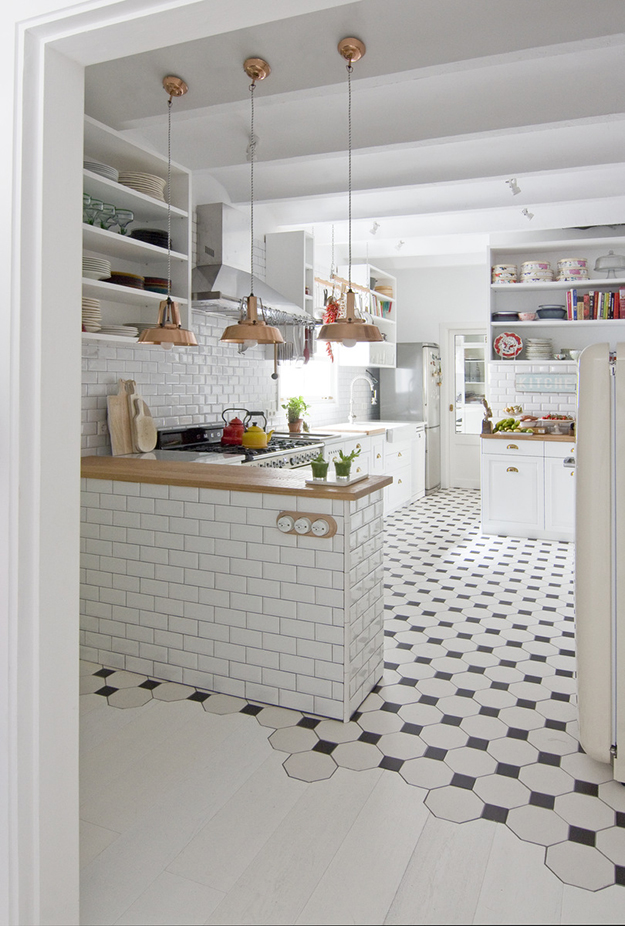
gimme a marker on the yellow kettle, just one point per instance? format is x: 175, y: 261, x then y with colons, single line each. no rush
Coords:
x: 256, y: 438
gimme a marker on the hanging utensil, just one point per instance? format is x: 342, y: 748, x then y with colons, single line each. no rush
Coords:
x: 274, y: 375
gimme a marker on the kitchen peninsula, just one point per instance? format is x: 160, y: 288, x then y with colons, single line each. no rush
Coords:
x: 243, y: 581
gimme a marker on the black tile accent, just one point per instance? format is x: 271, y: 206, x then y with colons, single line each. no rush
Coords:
x: 106, y: 691
x: 391, y: 763
x: 474, y: 742
x: 104, y: 673
x: 529, y: 705
x: 538, y: 799
x: 489, y: 711
x: 253, y: 710
x: 434, y: 752
x: 324, y: 746
x: 548, y: 758
x: 497, y: 814
x: 390, y: 707
x: 428, y: 699
x: 451, y: 721
x: 556, y: 725
x: 309, y: 723
x: 508, y: 771
x: 465, y: 693
x: 373, y: 738
x: 619, y: 875
x: 149, y: 684
x: 413, y: 729
x: 579, y: 834
x: 619, y: 818
x: 586, y: 787
x: 463, y: 781
x: 202, y: 696
x: 516, y: 734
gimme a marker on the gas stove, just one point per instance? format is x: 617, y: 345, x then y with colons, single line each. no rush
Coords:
x: 282, y: 451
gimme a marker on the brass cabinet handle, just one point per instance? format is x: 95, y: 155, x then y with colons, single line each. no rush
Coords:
x: 512, y: 469
x: 358, y: 469
x: 358, y: 447
x: 512, y: 447
x: 398, y: 455
x: 571, y: 473
x: 399, y: 482
x: 379, y: 456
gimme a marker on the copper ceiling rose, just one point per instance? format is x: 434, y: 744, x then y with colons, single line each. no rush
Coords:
x: 175, y: 86
x: 352, y: 49
x: 256, y: 68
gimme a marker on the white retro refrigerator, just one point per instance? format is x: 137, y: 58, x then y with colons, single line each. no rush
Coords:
x: 600, y: 554
x: 411, y: 392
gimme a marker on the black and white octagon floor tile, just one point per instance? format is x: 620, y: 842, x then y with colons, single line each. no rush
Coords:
x: 477, y: 706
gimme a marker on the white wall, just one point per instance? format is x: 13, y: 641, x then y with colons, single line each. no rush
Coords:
x: 429, y: 296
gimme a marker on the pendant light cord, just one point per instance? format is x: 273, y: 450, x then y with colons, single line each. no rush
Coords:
x: 350, y: 68
x: 252, y: 153
x: 169, y: 201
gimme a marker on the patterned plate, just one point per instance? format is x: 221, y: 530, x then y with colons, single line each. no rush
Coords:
x: 508, y: 345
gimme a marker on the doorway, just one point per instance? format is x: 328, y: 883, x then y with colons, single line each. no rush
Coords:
x: 464, y: 389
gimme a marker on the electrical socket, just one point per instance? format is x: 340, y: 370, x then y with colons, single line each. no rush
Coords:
x: 103, y: 427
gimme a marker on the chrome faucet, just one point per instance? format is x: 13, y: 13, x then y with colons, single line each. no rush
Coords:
x: 371, y: 384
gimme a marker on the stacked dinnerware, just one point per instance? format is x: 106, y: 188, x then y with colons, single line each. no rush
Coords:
x: 105, y: 170
x: 126, y: 279
x: 504, y: 273
x: 538, y: 349
x: 156, y: 285
x: 536, y: 271
x: 91, y: 315
x: 96, y: 268
x: 123, y: 331
x: 144, y: 183
x: 571, y: 269
x: 155, y: 236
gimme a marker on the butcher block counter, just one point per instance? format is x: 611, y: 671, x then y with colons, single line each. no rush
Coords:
x: 234, y: 579
x: 223, y: 476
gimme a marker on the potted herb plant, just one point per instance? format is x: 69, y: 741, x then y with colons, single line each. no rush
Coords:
x: 319, y: 467
x: 343, y: 465
x: 295, y: 408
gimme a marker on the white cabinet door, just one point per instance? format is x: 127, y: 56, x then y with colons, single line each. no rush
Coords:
x: 559, y: 498
x: 512, y: 495
x: 377, y: 454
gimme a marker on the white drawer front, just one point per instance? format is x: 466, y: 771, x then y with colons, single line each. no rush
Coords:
x: 513, y: 446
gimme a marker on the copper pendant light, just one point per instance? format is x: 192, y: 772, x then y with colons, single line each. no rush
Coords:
x: 349, y: 329
x: 169, y: 331
x: 252, y: 330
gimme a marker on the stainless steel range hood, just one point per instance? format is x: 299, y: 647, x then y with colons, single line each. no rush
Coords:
x: 222, y: 277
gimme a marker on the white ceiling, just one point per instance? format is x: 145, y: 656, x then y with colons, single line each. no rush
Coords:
x: 452, y: 98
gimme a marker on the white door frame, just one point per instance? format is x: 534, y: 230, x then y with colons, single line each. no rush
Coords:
x: 40, y: 369
x: 447, y: 391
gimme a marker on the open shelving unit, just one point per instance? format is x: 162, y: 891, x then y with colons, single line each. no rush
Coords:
x: 526, y: 297
x: 122, y: 304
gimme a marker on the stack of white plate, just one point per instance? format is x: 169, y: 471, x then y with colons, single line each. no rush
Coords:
x: 96, y: 268
x: 124, y: 331
x: 538, y: 349
x: 91, y: 315
x: 105, y: 170
x: 144, y: 183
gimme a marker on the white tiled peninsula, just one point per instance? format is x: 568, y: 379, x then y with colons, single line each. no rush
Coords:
x: 186, y: 577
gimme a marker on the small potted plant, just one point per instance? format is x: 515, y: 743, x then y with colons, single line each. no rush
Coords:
x: 295, y: 407
x: 319, y: 467
x: 343, y: 465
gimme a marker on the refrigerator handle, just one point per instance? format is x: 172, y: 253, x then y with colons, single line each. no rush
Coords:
x: 568, y: 462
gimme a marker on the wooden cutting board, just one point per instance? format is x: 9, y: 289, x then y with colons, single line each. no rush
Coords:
x: 118, y: 414
x: 142, y: 426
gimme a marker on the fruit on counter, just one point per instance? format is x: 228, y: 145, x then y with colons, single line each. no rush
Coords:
x: 513, y: 409
x: 557, y: 418
x: 528, y: 418
x: 509, y: 425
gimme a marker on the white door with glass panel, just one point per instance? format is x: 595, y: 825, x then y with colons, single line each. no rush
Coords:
x: 466, y: 390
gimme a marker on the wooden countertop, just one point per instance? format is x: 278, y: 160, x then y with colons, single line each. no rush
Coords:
x: 503, y: 435
x: 223, y: 476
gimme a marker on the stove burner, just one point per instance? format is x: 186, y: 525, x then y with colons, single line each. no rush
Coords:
x: 207, y: 439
